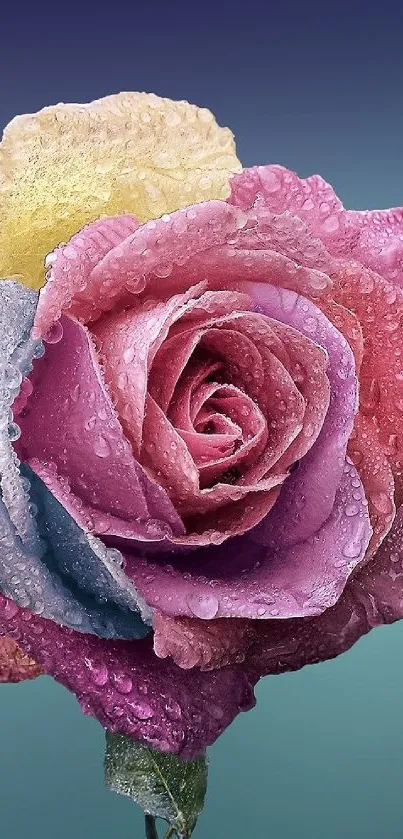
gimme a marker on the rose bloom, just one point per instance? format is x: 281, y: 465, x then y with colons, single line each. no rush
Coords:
x: 201, y: 416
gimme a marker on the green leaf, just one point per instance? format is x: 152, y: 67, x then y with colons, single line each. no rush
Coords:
x: 165, y: 785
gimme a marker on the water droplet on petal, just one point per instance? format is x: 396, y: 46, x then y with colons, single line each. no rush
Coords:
x: 122, y: 682
x: 99, y: 672
x: 142, y: 710
x: 54, y: 334
x: 204, y: 606
x: 14, y: 431
x: 101, y: 446
x: 173, y: 710
x: 351, y: 510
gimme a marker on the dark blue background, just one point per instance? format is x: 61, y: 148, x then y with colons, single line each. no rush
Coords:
x: 316, y: 86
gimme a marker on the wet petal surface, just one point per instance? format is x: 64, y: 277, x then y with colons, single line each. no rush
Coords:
x: 242, y: 578
x: 15, y: 666
x: 128, y: 689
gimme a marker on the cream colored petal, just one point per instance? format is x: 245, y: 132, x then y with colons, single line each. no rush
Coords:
x: 131, y: 152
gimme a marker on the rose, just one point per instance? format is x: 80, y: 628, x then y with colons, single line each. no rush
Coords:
x: 211, y: 437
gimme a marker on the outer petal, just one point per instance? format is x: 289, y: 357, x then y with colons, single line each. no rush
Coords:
x: 377, y: 303
x: 70, y: 268
x: 14, y: 664
x: 379, y: 308
x: 30, y: 575
x: 211, y: 241
x: 373, y: 597
x: 374, y: 238
x: 373, y: 467
x: 149, y: 253
x: 379, y: 241
x: 128, y: 689
x: 132, y: 152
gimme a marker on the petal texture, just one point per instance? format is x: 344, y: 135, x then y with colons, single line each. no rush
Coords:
x: 71, y: 422
x: 244, y: 579
x: 131, y: 152
x: 32, y: 551
x: 15, y: 666
x: 131, y: 691
x: 372, y: 597
x: 372, y: 237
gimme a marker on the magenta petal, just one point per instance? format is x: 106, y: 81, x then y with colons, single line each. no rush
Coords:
x: 373, y: 597
x: 70, y: 421
x: 129, y: 689
x: 243, y: 579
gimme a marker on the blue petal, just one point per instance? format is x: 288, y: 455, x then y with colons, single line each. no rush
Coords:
x: 84, y: 563
x: 48, y: 564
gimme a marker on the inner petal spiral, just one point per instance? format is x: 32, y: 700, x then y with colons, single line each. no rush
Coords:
x: 214, y: 400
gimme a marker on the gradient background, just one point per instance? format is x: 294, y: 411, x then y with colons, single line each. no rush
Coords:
x: 318, y: 87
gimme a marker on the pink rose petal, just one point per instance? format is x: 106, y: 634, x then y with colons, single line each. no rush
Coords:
x: 68, y: 286
x: 372, y: 237
x: 373, y: 467
x: 379, y: 307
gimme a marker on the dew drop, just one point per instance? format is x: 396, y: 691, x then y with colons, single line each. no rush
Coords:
x: 123, y: 683
x: 351, y: 549
x: 101, y: 446
x: 14, y: 431
x: 99, y: 672
x: 54, y: 334
x: 382, y: 502
x: 128, y: 355
x: 204, y: 606
x: 142, y: 710
x: 173, y: 710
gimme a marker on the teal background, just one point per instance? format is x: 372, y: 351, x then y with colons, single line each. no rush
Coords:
x: 316, y: 86
x: 320, y: 757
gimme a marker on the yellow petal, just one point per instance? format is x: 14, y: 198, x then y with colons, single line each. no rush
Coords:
x: 69, y: 164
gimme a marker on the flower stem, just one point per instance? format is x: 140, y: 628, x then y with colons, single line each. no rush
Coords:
x: 151, y: 829
x: 170, y: 833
